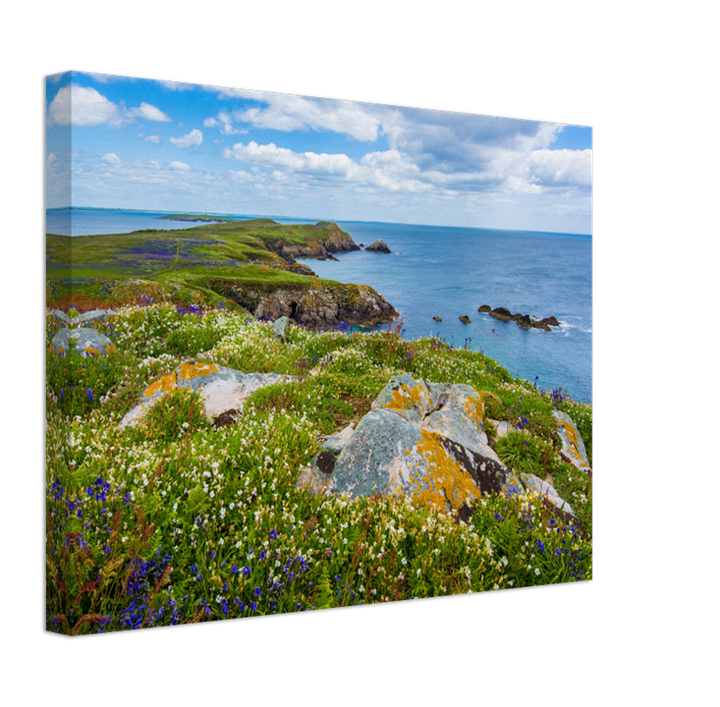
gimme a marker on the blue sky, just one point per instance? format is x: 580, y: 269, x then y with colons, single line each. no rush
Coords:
x: 118, y: 142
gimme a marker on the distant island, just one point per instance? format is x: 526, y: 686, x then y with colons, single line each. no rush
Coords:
x: 200, y: 218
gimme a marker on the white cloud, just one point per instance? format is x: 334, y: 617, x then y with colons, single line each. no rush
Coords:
x: 180, y: 166
x: 224, y: 120
x: 177, y: 86
x: 194, y: 137
x: 51, y: 158
x: 286, y: 113
x: 111, y: 158
x: 145, y: 110
x: 155, y: 139
x: 81, y: 106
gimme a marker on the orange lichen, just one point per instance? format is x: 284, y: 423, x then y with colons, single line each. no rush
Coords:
x: 91, y: 350
x: 188, y: 371
x: 475, y: 409
x: 110, y: 349
x: 571, y: 434
x: 404, y: 398
x: 443, y: 480
x: 162, y: 384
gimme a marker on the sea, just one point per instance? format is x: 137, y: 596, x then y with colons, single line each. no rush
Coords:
x: 449, y: 272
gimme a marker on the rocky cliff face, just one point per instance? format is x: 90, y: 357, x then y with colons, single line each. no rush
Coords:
x: 313, y: 305
x: 330, y: 239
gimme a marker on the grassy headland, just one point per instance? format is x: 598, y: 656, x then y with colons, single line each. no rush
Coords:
x: 209, y: 264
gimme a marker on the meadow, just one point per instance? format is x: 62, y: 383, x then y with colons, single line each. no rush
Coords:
x: 182, y: 519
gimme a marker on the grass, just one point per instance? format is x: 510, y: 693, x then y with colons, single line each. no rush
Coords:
x: 175, y: 521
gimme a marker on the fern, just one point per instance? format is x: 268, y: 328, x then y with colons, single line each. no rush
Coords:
x: 325, y: 596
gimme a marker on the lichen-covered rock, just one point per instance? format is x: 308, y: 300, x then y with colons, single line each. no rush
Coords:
x: 421, y: 440
x: 96, y: 315
x: 221, y: 388
x: 337, y: 442
x: 548, y: 492
x: 280, y: 328
x: 87, y: 341
x: 61, y: 317
x: 573, y: 447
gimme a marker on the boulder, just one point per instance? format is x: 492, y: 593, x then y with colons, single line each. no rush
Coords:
x: 421, y: 440
x: 485, y: 308
x: 437, y: 319
x: 96, y: 315
x: 379, y: 246
x: 88, y: 341
x: 61, y: 317
x: 280, y: 328
x: 465, y: 319
x: 222, y: 389
x: 573, y: 447
x: 426, y: 441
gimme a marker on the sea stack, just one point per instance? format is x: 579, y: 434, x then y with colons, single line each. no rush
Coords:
x: 379, y: 246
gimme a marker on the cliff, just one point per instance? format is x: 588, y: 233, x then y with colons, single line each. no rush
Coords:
x: 315, y: 305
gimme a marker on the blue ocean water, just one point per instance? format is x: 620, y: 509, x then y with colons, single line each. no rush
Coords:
x: 90, y: 222
x: 449, y: 272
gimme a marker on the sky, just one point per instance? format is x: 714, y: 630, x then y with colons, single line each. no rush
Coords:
x: 126, y: 143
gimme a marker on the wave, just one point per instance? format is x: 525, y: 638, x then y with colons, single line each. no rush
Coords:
x: 564, y: 324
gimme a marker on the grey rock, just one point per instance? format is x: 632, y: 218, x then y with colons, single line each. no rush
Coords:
x: 547, y: 491
x: 573, y: 447
x: 280, y: 328
x: 379, y: 246
x: 424, y: 441
x: 87, y: 341
x: 221, y: 388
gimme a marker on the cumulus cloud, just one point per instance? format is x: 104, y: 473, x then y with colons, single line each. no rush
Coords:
x: 111, y: 158
x: 180, y: 166
x: 84, y: 106
x: 77, y: 105
x: 271, y: 155
x: 224, y: 121
x: 145, y: 110
x: 194, y: 137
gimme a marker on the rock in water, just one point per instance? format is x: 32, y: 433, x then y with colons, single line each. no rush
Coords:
x: 437, y: 319
x: 379, y: 246
x: 465, y: 319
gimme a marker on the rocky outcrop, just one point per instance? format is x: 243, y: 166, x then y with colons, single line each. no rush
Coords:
x: 573, y: 447
x: 223, y: 390
x: 313, y: 305
x: 280, y: 328
x: 522, y: 320
x: 379, y: 246
x: 437, y: 319
x: 425, y: 441
x: 327, y: 238
x: 465, y: 319
x: 76, y: 336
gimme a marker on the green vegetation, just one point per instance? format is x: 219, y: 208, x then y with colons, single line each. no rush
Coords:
x: 186, y: 266
x: 177, y: 520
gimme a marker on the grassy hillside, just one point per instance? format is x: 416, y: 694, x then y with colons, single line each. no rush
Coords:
x: 179, y: 520
x: 182, y: 262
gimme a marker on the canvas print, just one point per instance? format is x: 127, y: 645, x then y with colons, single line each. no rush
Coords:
x: 305, y: 353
